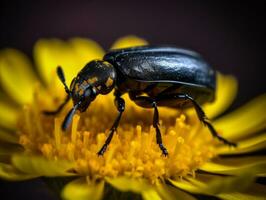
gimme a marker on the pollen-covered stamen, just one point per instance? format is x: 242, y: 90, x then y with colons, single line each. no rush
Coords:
x: 133, y: 151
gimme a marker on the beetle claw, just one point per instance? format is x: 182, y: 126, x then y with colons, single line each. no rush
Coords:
x: 230, y: 144
x: 164, y: 150
x: 103, y: 149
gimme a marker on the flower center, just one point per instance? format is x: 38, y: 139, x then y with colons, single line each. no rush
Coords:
x: 133, y: 150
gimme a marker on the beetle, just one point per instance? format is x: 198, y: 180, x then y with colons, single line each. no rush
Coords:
x: 153, y: 76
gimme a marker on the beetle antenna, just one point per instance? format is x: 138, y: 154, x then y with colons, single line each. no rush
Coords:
x: 69, y: 117
x: 60, y: 74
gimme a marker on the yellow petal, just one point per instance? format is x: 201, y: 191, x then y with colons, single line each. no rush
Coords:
x: 41, y: 166
x: 257, y: 168
x: 16, y: 75
x: 225, y: 94
x: 72, y: 55
x: 81, y: 189
x: 86, y: 50
x: 217, y: 186
x: 245, y: 121
x: 171, y: 193
x: 150, y: 194
x: 125, y: 184
x: 202, y: 180
x: 8, y: 172
x: 185, y: 185
x: 8, y: 115
x: 129, y: 41
x: 245, y: 146
x: 139, y: 186
x: 230, y: 184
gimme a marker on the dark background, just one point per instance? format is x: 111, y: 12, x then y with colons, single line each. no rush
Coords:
x: 229, y: 35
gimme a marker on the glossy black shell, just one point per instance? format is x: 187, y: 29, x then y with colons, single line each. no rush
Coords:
x: 170, y: 65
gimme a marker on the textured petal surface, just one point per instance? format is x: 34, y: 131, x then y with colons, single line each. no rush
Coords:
x: 81, y: 189
x: 244, y: 121
x: 8, y: 172
x: 185, y: 185
x: 128, y: 41
x: 41, y: 166
x: 16, y: 75
x: 72, y: 55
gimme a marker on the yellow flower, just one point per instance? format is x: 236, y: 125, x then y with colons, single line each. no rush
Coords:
x: 33, y: 145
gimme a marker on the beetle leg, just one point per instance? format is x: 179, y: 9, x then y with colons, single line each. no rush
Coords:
x: 46, y: 112
x: 201, y: 115
x: 148, y: 102
x: 120, y: 105
x: 156, y: 126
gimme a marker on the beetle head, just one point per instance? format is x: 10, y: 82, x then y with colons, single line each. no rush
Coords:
x: 82, y: 95
x: 97, y: 77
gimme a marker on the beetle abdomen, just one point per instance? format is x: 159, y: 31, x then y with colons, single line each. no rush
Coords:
x: 163, y: 64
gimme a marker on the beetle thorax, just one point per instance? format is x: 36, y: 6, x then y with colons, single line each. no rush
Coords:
x: 99, y: 74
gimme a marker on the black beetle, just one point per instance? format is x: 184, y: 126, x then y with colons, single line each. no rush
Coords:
x: 152, y: 76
